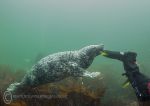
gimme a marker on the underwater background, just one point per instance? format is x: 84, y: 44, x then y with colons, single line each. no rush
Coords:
x: 30, y: 30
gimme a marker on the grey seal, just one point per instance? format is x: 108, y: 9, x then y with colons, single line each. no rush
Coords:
x: 58, y: 66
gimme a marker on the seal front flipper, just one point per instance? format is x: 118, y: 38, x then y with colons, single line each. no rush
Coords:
x: 91, y: 74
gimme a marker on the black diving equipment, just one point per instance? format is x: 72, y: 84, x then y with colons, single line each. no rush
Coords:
x: 139, y: 82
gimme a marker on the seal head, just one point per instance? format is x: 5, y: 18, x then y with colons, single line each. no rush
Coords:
x: 88, y: 53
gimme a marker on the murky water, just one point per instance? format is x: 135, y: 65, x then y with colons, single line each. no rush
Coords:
x: 32, y: 29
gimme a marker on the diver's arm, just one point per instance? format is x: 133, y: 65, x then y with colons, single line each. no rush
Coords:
x: 113, y: 54
x: 128, y: 59
x: 138, y: 80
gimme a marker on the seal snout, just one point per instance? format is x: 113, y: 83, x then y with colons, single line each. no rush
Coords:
x: 96, y: 49
x: 92, y: 50
x: 99, y: 47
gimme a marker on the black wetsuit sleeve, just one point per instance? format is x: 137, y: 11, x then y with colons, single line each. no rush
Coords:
x: 114, y: 55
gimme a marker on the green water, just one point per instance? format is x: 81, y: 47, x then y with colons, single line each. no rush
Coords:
x: 29, y: 28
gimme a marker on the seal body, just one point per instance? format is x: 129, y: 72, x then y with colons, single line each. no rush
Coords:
x: 58, y: 66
